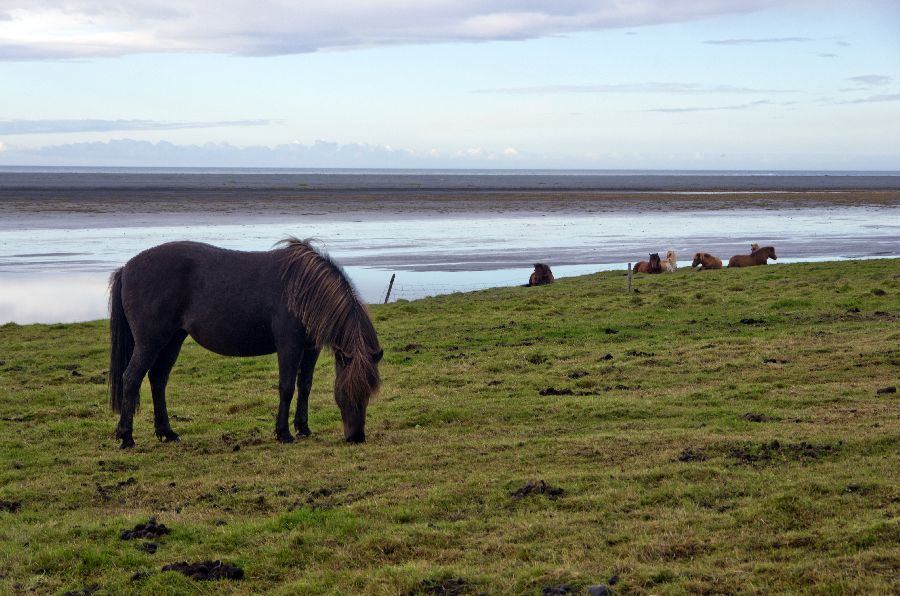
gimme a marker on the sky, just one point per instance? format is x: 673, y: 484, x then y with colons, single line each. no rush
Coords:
x: 605, y: 84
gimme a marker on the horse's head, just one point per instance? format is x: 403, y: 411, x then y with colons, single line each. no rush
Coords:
x: 698, y: 259
x: 769, y: 251
x: 754, y: 247
x: 670, y: 256
x: 356, y: 380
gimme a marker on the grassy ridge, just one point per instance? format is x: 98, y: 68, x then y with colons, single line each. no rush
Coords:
x: 717, y: 431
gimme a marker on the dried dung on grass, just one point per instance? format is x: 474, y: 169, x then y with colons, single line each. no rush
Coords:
x: 537, y: 488
x: 446, y: 587
x: 149, y: 530
x: 206, y: 570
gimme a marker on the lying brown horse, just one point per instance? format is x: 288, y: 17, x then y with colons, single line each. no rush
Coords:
x: 758, y: 257
x: 704, y: 260
x: 654, y: 265
x: 541, y: 275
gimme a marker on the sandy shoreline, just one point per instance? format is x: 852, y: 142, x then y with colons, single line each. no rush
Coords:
x: 72, y: 208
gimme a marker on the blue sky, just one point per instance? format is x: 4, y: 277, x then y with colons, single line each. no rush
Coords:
x: 678, y: 84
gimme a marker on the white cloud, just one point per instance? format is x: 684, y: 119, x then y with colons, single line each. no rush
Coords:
x: 882, y: 97
x: 320, y: 154
x: 743, y: 106
x: 59, y: 29
x: 871, y: 80
x: 23, y: 127
x: 653, y: 87
x: 748, y: 41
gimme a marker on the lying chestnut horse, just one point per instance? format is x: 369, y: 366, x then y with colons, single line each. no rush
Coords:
x: 706, y: 261
x: 669, y: 264
x: 654, y: 265
x: 541, y: 275
x: 758, y: 257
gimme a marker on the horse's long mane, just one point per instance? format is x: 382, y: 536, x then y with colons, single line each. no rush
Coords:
x: 319, y: 294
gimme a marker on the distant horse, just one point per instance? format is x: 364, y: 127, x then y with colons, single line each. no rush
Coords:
x: 704, y: 260
x: 757, y: 257
x: 654, y: 265
x: 541, y: 275
x: 669, y: 264
x: 754, y: 247
x: 290, y: 300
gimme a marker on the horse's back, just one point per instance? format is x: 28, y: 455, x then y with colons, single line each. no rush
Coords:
x: 225, y: 299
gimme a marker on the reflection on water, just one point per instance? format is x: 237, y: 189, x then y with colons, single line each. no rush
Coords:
x: 53, y: 297
x: 57, y: 274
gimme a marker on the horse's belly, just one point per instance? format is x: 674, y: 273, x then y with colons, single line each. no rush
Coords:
x: 235, y: 339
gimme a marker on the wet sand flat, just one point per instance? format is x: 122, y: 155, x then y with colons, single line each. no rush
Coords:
x: 69, y: 208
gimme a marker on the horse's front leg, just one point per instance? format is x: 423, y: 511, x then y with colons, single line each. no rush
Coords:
x: 288, y: 362
x: 304, y: 386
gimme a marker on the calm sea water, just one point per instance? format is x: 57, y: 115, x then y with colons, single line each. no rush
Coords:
x: 444, y: 180
x: 54, y: 271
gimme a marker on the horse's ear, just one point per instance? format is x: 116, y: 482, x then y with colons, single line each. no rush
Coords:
x: 377, y: 357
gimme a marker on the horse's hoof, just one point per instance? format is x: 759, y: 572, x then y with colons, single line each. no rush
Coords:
x: 168, y: 437
x: 127, y: 444
x: 303, y: 432
x: 285, y: 438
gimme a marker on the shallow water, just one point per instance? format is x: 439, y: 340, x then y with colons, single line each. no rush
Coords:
x: 57, y: 274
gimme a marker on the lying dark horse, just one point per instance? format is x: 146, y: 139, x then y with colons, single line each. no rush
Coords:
x: 290, y: 300
x: 541, y: 275
x: 654, y: 265
x: 759, y: 256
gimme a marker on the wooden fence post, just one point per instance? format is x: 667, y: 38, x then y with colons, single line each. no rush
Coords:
x: 629, y: 277
x: 390, y: 287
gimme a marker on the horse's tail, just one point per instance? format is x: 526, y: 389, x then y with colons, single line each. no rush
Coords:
x: 121, y: 342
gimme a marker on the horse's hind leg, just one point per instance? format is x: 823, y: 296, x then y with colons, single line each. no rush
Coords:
x: 304, y: 386
x: 288, y: 362
x: 141, y: 360
x: 159, y: 377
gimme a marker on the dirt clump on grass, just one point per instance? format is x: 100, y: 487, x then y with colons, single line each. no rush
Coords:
x: 537, y: 488
x: 206, y: 570
x: 149, y: 547
x: 751, y: 417
x: 555, y: 391
x: 560, y: 590
x: 886, y: 390
x: 10, y: 506
x: 775, y: 451
x: 151, y: 529
x: 444, y: 587
x: 689, y: 454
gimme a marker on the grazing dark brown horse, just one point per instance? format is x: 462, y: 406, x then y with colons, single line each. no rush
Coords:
x: 541, y: 275
x: 706, y: 261
x: 654, y: 265
x: 290, y: 300
x: 757, y: 257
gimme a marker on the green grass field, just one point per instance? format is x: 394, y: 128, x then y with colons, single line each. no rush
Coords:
x: 715, y: 432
